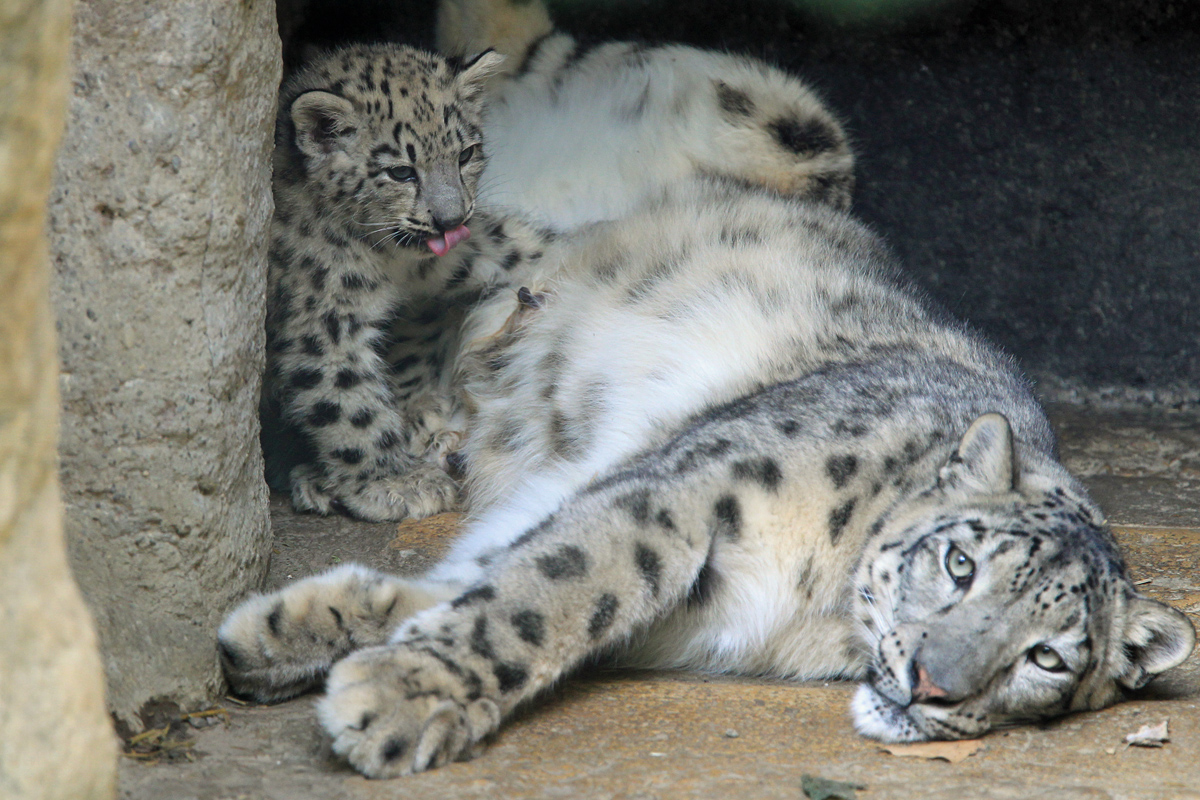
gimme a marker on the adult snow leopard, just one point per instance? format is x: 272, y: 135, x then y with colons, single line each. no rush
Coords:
x: 381, y: 177
x: 720, y: 432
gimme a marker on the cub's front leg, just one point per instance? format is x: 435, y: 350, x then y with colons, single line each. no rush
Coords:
x: 614, y: 558
x: 333, y: 386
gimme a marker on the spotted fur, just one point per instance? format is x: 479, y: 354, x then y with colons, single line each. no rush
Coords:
x: 721, y: 432
x: 785, y: 464
x: 379, y: 149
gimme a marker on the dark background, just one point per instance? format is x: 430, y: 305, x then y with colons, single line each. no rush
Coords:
x: 1035, y: 164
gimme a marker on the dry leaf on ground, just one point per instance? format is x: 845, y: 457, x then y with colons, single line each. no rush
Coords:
x: 1149, y: 735
x: 817, y: 788
x: 953, y: 752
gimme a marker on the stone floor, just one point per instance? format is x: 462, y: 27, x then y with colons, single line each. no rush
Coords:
x: 638, y: 735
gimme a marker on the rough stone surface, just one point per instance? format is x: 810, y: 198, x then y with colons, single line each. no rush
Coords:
x: 55, y: 741
x: 158, y: 231
x: 668, y: 735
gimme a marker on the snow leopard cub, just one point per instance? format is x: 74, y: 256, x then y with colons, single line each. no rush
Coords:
x: 721, y: 433
x: 381, y: 176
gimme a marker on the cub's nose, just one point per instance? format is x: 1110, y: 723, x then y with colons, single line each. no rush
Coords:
x: 448, y: 223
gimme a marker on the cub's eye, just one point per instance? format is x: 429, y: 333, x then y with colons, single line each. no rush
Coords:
x: 467, y: 154
x: 402, y: 174
x: 960, y: 566
x: 1046, y: 658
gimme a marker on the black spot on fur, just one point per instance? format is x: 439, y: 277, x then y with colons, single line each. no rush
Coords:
x: 531, y: 534
x: 324, y: 413
x: 789, y: 427
x: 348, y: 455
x: 510, y: 676
x: 230, y: 655
x: 604, y: 613
x: 305, y: 378
x: 729, y: 517
x: 568, y: 562
x: 701, y: 454
x: 362, y: 418
x: 765, y: 471
x: 337, y: 618
x: 566, y: 445
x: 312, y: 345
x: 663, y: 518
x: 530, y: 626
x: 333, y: 327
x: 387, y: 440
x: 841, y: 469
x: 734, y: 102
x: 480, y: 645
x: 839, y: 517
x: 803, y: 137
x: 273, y: 619
x: 393, y: 749
x: 347, y: 379
x: 649, y: 565
x: 354, y: 282
x: 705, y: 587
x: 477, y: 595
x: 637, y: 504
x: 317, y: 278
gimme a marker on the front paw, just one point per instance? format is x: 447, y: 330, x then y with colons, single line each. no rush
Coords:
x: 275, y: 646
x: 395, y: 710
x: 415, y: 493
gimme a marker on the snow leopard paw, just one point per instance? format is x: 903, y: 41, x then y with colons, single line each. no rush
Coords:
x: 419, y: 491
x: 278, y: 645
x: 398, y: 709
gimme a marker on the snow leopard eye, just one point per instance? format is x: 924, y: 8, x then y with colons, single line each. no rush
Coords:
x: 1045, y: 657
x: 402, y: 174
x: 467, y: 154
x: 960, y: 567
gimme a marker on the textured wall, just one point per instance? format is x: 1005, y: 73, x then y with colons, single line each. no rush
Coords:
x: 55, y: 740
x: 158, y: 232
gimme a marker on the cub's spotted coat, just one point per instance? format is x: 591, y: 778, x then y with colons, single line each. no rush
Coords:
x: 380, y: 164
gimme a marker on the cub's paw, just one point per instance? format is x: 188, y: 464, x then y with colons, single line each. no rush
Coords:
x: 310, y: 490
x: 437, y: 427
x: 278, y: 645
x: 419, y: 491
x: 394, y: 710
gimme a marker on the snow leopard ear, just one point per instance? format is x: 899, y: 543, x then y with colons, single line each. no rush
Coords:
x: 1156, y: 637
x: 324, y: 122
x: 476, y: 70
x: 984, y: 461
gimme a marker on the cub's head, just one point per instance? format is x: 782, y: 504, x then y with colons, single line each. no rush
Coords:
x: 993, y: 599
x: 388, y: 139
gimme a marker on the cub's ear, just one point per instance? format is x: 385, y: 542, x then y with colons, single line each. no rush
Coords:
x: 324, y: 122
x: 983, y: 462
x: 1156, y: 638
x: 476, y: 70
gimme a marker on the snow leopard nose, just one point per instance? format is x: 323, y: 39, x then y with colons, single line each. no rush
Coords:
x: 923, y: 687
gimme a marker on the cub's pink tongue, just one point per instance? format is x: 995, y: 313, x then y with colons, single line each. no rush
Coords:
x: 440, y: 245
